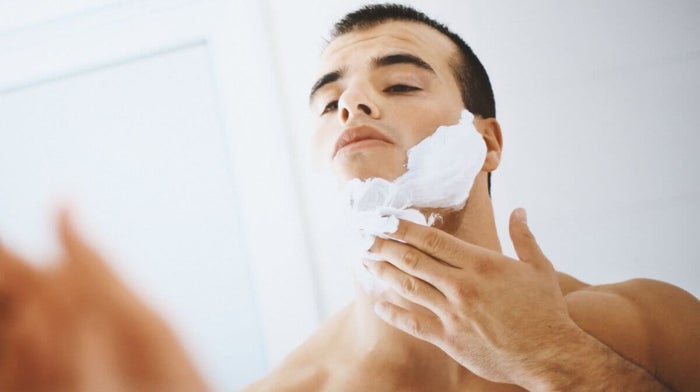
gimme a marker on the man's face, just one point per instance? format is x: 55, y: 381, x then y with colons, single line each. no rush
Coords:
x: 381, y: 91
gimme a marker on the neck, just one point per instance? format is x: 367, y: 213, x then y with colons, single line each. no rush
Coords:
x: 403, y: 361
x: 375, y: 343
x: 475, y: 222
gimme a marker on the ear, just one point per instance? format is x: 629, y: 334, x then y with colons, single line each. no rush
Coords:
x: 490, y: 130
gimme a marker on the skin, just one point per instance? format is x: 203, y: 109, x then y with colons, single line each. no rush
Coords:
x: 459, y: 315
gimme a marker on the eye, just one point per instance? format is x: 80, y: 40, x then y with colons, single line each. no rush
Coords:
x: 333, y: 105
x: 400, y: 88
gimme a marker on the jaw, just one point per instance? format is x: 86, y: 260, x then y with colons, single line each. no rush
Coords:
x: 370, y: 163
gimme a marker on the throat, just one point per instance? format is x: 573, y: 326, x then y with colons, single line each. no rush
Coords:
x: 446, y: 220
x: 378, y: 351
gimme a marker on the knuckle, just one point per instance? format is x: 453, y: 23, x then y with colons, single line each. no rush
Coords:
x: 434, y: 240
x: 484, y: 267
x: 452, y: 341
x: 413, y: 326
x: 380, y: 268
x: 409, y: 286
x: 410, y: 258
x: 453, y: 319
x: 465, y: 294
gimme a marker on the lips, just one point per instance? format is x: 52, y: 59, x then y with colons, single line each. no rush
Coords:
x: 358, y: 134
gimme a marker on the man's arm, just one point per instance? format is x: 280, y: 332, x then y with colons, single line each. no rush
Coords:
x: 508, y: 321
x: 650, y: 323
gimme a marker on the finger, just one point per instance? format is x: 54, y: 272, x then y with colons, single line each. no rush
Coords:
x: 87, y: 265
x: 79, y: 251
x: 409, y: 287
x: 439, y: 244
x: 411, y: 260
x: 421, y: 326
x: 524, y: 241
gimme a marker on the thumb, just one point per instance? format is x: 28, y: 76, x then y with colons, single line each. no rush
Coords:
x: 524, y: 241
x: 81, y: 257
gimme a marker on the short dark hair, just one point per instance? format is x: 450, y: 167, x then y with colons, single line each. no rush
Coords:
x: 469, y: 73
x: 471, y: 77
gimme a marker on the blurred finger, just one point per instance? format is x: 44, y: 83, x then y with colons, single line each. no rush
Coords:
x: 77, y: 249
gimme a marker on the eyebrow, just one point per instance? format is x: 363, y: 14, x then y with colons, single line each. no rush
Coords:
x: 377, y: 62
x: 324, y: 80
x: 401, y: 58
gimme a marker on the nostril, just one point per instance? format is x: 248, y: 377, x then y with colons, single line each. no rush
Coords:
x: 364, y: 108
x: 344, y: 114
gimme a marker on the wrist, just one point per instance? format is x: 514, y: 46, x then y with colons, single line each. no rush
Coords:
x: 558, y: 362
x: 573, y: 360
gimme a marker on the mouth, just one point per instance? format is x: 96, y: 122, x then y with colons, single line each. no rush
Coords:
x: 359, y: 137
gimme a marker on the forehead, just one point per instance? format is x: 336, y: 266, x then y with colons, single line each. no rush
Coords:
x: 389, y: 37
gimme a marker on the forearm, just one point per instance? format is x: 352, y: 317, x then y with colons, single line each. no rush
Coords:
x: 579, y: 362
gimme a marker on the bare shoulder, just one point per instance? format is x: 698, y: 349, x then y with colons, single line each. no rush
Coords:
x: 651, y: 323
x: 304, y: 369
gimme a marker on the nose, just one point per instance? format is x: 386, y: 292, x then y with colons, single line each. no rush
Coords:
x: 356, y: 102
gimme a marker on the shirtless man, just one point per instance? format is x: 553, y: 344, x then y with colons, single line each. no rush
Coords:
x: 459, y: 315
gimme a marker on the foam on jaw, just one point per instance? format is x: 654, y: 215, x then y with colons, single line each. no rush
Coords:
x: 440, y: 172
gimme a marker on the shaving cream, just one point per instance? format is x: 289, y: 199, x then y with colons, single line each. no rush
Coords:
x: 440, y: 172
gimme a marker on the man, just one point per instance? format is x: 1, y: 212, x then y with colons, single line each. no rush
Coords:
x: 458, y: 315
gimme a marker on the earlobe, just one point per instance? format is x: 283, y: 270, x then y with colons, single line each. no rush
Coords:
x: 493, y: 159
x: 490, y: 130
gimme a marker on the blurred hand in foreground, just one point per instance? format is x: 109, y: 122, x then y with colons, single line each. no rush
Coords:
x: 75, y: 326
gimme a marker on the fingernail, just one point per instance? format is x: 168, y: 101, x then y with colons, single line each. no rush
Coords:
x: 521, y: 214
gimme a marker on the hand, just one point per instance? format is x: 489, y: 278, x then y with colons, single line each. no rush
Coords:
x: 76, y: 327
x: 490, y: 313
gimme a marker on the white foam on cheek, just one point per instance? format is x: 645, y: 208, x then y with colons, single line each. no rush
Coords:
x: 440, y: 172
x: 441, y: 169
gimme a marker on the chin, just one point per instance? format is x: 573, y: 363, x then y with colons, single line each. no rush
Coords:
x: 365, y: 166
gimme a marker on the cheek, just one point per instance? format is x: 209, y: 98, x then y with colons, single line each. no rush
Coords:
x: 426, y: 121
x: 448, y: 109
